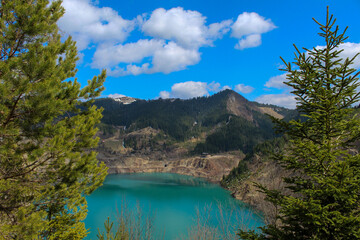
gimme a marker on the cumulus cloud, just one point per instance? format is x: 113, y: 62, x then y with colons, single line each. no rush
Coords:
x: 128, y: 70
x: 112, y: 55
x: 191, y: 89
x: 175, y: 36
x: 173, y: 57
x: 165, y: 58
x: 243, y: 88
x: 248, y: 29
x: 277, y: 82
x: 251, y: 23
x: 253, y: 40
x: 90, y: 24
x: 218, y: 30
x: 283, y: 100
x: 187, y: 28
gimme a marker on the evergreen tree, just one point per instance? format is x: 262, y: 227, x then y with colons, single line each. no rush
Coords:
x: 46, y: 132
x: 325, y: 184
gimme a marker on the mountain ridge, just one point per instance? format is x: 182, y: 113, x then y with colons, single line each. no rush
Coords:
x: 222, y: 122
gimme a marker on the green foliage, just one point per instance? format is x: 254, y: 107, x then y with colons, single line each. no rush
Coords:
x: 238, y: 134
x: 46, y: 167
x: 106, y: 129
x: 264, y: 150
x: 236, y: 175
x: 325, y: 186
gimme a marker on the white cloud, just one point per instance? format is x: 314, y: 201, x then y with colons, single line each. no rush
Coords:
x: 283, y: 100
x: 243, y: 88
x: 185, y: 27
x: 249, y: 41
x: 218, y: 30
x: 277, y: 82
x: 111, y: 55
x: 190, y: 89
x: 90, y: 24
x: 178, y: 35
x: 128, y: 70
x: 115, y: 95
x: 248, y: 29
x: 165, y: 58
x: 251, y: 23
x: 172, y: 58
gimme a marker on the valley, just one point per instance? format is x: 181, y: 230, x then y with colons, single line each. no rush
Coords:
x: 207, y: 137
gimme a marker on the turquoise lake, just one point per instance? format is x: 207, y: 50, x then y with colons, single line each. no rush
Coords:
x: 174, y: 202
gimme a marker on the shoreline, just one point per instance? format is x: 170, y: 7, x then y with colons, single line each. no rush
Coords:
x: 257, y: 211
x: 211, y: 168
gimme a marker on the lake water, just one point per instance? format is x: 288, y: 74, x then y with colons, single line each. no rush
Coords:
x: 176, y: 203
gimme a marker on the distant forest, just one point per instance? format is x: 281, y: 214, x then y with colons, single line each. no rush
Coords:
x: 185, y: 119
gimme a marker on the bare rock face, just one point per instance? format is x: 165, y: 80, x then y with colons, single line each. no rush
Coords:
x: 211, y: 167
x: 241, y: 107
x: 271, y: 112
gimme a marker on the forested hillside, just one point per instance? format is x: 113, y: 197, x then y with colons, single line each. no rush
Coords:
x: 223, y: 122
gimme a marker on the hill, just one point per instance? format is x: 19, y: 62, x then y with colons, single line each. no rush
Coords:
x: 223, y: 122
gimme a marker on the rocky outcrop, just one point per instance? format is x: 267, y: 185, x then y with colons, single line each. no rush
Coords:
x: 265, y: 172
x: 210, y: 167
x: 125, y: 100
x: 241, y: 107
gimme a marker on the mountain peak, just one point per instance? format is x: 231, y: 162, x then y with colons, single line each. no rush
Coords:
x: 240, y: 106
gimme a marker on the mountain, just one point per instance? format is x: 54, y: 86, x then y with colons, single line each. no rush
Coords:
x: 222, y: 122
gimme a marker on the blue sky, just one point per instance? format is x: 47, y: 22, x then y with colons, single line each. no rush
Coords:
x: 189, y: 48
